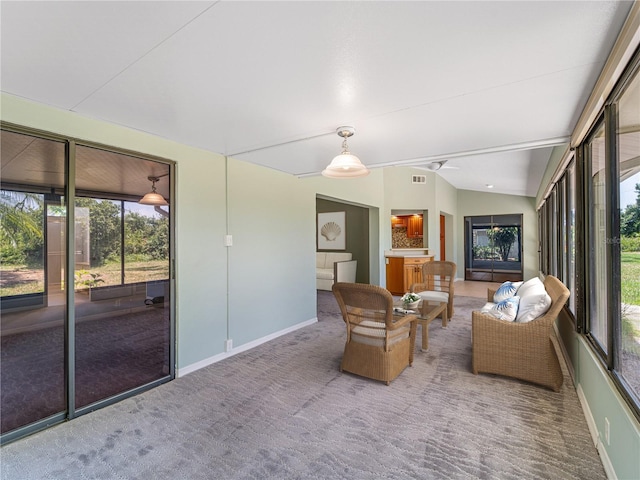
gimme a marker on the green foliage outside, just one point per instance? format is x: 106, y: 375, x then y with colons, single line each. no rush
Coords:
x: 87, y: 279
x: 630, y: 217
x: 630, y: 294
x: 104, y: 228
x: 503, y: 239
x: 21, y: 235
x: 630, y: 273
x: 630, y: 244
x: 485, y: 253
x: 22, y: 218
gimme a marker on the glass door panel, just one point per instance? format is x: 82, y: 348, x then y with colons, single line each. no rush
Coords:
x: 32, y: 289
x: 493, y: 248
x: 122, y: 331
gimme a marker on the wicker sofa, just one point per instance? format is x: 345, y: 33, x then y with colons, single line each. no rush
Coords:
x: 520, y: 350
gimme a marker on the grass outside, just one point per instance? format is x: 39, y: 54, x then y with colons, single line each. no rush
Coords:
x: 21, y: 280
x: 630, y: 282
x: 630, y: 292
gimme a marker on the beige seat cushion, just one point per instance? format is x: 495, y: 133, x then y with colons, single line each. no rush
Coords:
x: 324, y: 273
x: 373, y: 333
x: 434, y: 296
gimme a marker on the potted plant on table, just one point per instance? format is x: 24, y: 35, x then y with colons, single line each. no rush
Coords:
x: 410, y: 300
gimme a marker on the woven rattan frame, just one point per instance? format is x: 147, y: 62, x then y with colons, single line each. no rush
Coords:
x: 520, y: 350
x: 438, y: 276
x: 359, y: 302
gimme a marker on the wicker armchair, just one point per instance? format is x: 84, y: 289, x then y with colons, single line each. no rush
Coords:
x: 520, y: 350
x: 438, y: 278
x: 378, y: 346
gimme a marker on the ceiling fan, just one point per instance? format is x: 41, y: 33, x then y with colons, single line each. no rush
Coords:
x: 435, y: 166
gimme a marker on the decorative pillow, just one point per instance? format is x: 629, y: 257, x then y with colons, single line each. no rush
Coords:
x: 534, y: 284
x: 507, y: 309
x: 506, y: 290
x: 534, y: 300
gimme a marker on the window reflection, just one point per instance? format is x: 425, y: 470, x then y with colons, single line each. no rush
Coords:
x: 32, y: 296
x: 628, y: 138
x: 598, y: 319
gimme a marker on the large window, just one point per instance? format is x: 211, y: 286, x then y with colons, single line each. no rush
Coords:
x: 593, y: 215
x: 628, y: 162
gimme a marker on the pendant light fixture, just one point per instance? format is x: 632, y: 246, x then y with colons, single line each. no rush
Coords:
x: 153, y: 197
x: 345, y: 165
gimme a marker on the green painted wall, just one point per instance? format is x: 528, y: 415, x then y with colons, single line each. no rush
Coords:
x: 241, y: 292
x: 357, y: 233
x: 272, y: 281
x: 472, y: 203
x: 366, y: 192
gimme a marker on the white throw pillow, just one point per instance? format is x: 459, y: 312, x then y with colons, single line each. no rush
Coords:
x: 506, y: 290
x: 534, y: 300
x: 507, y: 309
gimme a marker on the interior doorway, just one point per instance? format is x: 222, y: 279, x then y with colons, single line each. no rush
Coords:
x: 358, y: 238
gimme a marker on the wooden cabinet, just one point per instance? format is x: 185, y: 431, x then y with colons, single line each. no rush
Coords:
x: 402, y: 272
x: 414, y: 226
x: 395, y: 275
x: 412, y: 272
x: 397, y: 222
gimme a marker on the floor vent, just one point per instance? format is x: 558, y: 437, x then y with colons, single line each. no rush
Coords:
x: 419, y: 179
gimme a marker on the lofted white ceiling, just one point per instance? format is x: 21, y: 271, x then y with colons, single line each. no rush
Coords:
x: 490, y: 86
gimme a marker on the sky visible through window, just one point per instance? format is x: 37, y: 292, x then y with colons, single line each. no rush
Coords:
x: 628, y: 192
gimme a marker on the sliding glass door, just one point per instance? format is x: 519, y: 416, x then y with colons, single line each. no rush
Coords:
x: 493, y: 248
x: 85, y: 286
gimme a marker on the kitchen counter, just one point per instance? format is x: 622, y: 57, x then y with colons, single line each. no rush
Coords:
x: 407, y: 252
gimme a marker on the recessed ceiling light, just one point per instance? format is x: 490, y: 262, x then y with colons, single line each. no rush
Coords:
x: 489, y: 185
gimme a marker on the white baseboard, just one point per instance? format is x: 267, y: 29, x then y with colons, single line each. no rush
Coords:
x: 242, y: 348
x: 591, y: 423
x: 595, y: 436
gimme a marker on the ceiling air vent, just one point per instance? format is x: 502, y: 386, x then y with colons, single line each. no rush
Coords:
x: 419, y: 179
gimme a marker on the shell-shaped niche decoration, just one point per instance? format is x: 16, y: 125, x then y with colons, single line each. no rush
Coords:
x: 330, y: 231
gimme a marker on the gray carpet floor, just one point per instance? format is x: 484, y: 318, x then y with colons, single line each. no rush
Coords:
x: 283, y: 411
